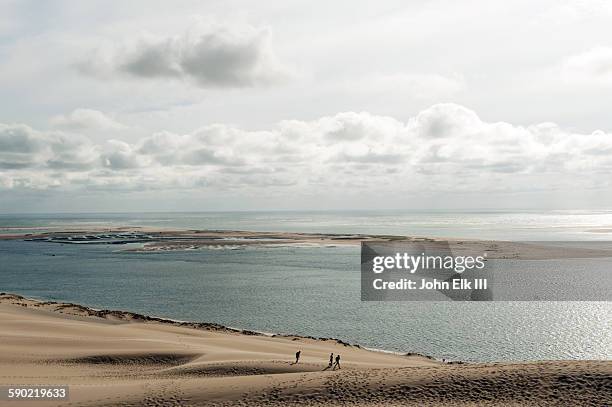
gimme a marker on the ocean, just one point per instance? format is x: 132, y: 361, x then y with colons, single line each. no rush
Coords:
x: 499, y: 225
x: 313, y: 291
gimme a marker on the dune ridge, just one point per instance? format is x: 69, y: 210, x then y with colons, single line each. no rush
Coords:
x: 117, y: 358
x: 128, y: 316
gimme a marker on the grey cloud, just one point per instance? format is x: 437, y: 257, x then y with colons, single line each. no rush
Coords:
x: 153, y: 60
x: 446, y: 120
x: 13, y: 164
x: 217, y: 59
x: 20, y: 146
x: 210, y: 55
x: 19, y: 139
x: 118, y: 161
x: 62, y: 164
x: 120, y: 156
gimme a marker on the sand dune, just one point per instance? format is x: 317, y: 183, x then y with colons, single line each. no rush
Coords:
x: 122, y: 359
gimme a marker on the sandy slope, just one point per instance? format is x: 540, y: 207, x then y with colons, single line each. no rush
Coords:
x: 123, y: 360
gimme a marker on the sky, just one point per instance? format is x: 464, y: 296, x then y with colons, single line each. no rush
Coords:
x: 110, y: 106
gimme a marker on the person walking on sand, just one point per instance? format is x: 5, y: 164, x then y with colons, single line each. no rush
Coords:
x: 337, y: 362
x: 297, y: 356
x: 331, y: 360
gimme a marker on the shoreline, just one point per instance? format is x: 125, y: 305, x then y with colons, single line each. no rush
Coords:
x: 79, y: 310
x: 125, y: 359
x: 129, y: 316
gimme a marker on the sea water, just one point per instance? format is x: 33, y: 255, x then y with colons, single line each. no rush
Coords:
x: 313, y: 291
x: 499, y: 225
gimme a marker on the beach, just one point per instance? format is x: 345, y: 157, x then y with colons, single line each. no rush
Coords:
x: 116, y: 358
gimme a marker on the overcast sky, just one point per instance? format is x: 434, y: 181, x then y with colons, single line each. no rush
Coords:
x: 229, y: 105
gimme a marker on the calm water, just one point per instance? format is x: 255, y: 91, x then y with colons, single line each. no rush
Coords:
x: 314, y: 290
x: 526, y: 225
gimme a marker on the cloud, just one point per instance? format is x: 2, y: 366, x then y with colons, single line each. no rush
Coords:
x: 119, y: 155
x: 19, y: 139
x: 83, y: 119
x: 69, y: 152
x: 22, y: 147
x: 445, y: 147
x: 352, y: 127
x: 592, y: 66
x: 211, y: 55
x: 446, y: 121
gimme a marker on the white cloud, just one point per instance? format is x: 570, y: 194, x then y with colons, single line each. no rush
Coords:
x: 446, y: 147
x: 83, y: 119
x: 593, y: 66
x: 208, y: 54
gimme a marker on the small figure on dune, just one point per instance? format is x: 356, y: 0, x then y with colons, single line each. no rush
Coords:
x: 331, y: 360
x: 337, y: 365
x: 297, y: 356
